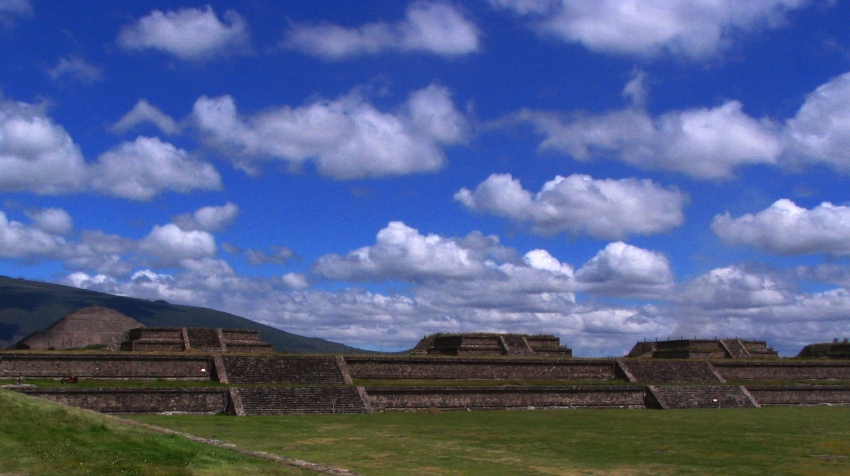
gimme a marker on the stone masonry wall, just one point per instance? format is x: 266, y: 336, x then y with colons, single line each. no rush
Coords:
x: 137, y: 400
x: 800, y: 394
x: 483, y: 398
x: 783, y: 370
x: 115, y: 366
x: 479, y: 368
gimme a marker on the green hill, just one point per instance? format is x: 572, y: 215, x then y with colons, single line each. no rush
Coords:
x: 28, y: 306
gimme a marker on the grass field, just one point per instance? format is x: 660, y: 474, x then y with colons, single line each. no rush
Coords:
x: 768, y: 441
x: 41, y: 438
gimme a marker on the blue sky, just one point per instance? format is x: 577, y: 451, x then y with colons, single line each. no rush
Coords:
x: 371, y: 172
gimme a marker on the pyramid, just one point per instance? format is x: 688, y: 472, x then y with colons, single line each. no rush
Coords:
x: 93, y: 325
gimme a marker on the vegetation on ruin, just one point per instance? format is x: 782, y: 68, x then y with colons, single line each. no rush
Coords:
x: 38, y: 437
x: 484, y: 383
x: 778, y: 440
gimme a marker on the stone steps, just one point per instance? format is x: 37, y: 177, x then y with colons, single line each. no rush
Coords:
x: 671, y: 397
x: 300, y: 400
x: 279, y: 369
x: 203, y: 339
x: 671, y: 371
x: 735, y: 348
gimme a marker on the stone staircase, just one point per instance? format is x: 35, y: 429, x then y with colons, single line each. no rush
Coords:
x: 282, y: 369
x: 299, y: 400
x: 735, y: 348
x: 515, y: 345
x: 670, y: 371
x: 203, y: 339
x: 672, y: 397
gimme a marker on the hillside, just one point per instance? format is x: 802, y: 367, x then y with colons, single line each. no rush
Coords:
x: 28, y: 306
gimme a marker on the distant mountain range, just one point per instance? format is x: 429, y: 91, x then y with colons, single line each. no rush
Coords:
x: 28, y: 306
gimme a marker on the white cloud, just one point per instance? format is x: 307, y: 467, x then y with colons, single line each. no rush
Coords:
x: 12, y: 9
x: 209, y: 219
x: 76, y: 68
x: 296, y: 281
x: 694, y: 30
x: 188, y: 33
x: 400, y: 252
x: 18, y: 240
x: 33, y: 149
x: 820, y: 132
x: 277, y: 255
x: 580, y: 205
x: 705, y: 143
x: 737, y: 288
x: 54, y: 221
x: 143, y: 112
x: 786, y: 229
x: 431, y: 27
x: 171, y: 244
x: 143, y: 168
x: 348, y: 138
x: 626, y: 270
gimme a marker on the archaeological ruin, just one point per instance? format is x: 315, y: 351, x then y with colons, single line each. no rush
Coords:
x: 210, y: 371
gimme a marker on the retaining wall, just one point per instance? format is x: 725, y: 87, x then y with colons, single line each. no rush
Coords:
x: 479, y: 368
x: 783, y: 370
x: 508, y: 397
x: 137, y: 400
x: 800, y: 394
x: 111, y: 366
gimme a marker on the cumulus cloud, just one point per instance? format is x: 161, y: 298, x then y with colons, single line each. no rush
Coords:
x: 172, y: 244
x: 580, y: 205
x: 76, y: 68
x: 820, y: 131
x: 348, y: 138
x: 211, y: 219
x: 705, y: 143
x: 188, y: 33
x: 33, y: 149
x: 786, y: 229
x: 694, y: 30
x: 55, y: 221
x: 143, y: 112
x: 296, y: 281
x: 430, y: 27
x: 18, y: 240
x: 626, y: 270
x: 143, y: 168
x: 738, y: 287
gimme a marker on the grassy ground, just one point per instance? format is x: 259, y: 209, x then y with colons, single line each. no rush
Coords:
x: 41, y: 438
x: 769, y: 441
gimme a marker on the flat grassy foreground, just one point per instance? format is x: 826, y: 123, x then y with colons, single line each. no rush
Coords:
x: 769, y: 441
x: 41, y: 438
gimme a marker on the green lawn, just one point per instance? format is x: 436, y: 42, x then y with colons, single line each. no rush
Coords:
x: 769, y: 441
x: 41, y: 438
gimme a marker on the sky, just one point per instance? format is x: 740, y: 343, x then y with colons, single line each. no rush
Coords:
x: 372, y: 172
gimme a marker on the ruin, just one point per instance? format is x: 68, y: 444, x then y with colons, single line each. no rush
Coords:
x: 445, y: 371
x: 703, y: 349
x: 181, y: 339
x: 93, y: 326
x: 492, y: 344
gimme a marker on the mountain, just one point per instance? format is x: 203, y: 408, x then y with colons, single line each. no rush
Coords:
x: 28, y: 306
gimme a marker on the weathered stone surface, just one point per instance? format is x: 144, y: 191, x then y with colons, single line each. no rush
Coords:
x: 507, y: 397
x: 479, y: 368
x: 106, y: 366
x: 484, y: 344
x: 671, y: 371
x: 671, y: 397
x: 783, y: 370
x: 801, y: 394
x: 137, y: 400
x: 293, y: 369
x: 300, y: 400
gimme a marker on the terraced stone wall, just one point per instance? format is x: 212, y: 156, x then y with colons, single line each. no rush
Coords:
x: 485, y: 398
x: 137, y: 400
x: 783, y: 370
x: 801, y: 395
x: 106, y: 366
x: 479, y: 368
